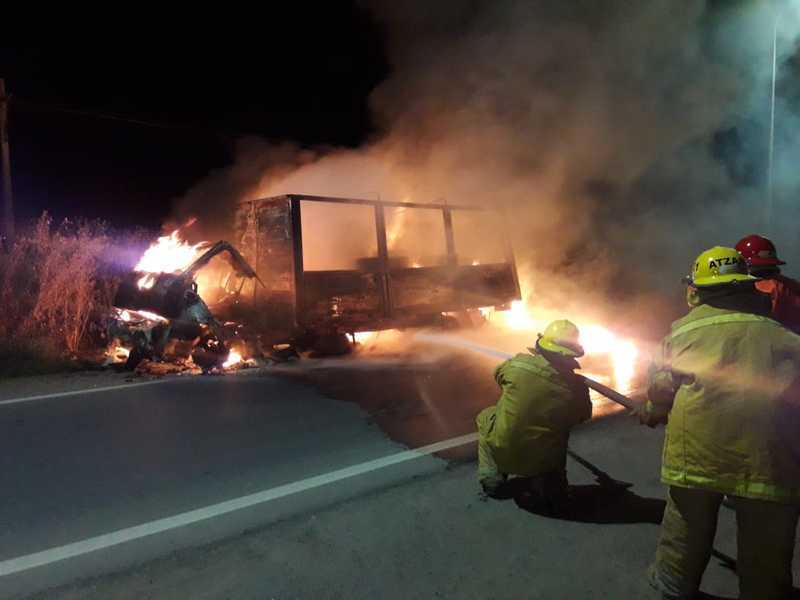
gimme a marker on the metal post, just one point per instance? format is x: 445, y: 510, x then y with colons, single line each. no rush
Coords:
x: 299, y: 269
x: 770, y: 167
x: 5, y: 166
x: 257, y: 224
x: 452, y: 258
x: 383, y: 260
x: 509, y: 250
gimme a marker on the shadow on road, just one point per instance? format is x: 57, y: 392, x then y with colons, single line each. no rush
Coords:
x: 603, y: 504
x: 609, y: 501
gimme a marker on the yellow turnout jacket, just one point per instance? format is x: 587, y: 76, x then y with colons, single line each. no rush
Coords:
x: 728, y: 381
x: 528, y: 430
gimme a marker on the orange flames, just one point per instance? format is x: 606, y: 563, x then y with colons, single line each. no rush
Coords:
x: 597, y: 341
x: 169, y: 254
x: 361, y: 337
x: 233, y: 358
x: 385, y: 336
x: 119, y: 354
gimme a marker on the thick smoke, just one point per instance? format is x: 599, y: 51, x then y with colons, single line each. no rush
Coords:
x: 621, y: 138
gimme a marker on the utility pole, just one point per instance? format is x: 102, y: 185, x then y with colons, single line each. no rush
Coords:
x: 5, y: 166
x: 771, y: 165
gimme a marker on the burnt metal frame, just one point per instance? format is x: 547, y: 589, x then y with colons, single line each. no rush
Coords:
x: 336, y: 199
x: 380, y: 232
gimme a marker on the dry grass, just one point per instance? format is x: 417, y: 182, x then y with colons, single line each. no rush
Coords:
x: 51, y: 291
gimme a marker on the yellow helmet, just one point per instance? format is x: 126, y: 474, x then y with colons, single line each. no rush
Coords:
x: 717, y: 266
x: 561, y: 337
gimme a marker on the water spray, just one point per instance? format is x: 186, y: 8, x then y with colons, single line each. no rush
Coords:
x: 448, y: 340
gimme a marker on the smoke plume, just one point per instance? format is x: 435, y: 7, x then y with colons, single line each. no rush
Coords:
x: 621, y: 138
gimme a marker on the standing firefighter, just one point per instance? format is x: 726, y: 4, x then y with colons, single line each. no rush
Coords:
x: 527, y: 431
x: 784, y: 292
x: 726, y: 382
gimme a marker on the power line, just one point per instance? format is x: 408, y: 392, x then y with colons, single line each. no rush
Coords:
x: 93, y: 114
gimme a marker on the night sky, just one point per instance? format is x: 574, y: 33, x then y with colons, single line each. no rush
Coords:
x: 297, y: 79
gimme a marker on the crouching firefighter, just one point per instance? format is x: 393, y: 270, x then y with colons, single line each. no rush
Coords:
x: 725, y: 381
x: 526, y: 432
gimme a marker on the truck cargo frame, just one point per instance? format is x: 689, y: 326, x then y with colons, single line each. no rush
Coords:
x: 381, y: 294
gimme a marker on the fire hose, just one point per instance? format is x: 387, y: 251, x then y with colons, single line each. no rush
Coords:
x: 609, y: 393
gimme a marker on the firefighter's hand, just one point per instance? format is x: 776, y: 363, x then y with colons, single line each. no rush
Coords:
x: 650, y: 417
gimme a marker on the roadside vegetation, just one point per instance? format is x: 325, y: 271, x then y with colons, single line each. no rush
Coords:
x: 55, y: 288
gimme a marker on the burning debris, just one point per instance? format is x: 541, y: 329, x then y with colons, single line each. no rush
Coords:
x: 160, y: 317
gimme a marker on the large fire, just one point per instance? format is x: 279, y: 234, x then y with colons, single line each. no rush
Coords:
x: 597, y: 341
x: 169, y: 254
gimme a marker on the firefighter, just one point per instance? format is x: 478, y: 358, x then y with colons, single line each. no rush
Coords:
x: 527, y: 431
x: 784, y: 292
x: 725, y: 382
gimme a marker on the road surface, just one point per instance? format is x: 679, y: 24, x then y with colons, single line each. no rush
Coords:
x: 298, y: 483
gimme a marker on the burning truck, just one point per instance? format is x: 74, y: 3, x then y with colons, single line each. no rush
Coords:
x: 309, y: 271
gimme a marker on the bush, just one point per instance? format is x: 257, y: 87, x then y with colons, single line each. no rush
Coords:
x: 52, y: 286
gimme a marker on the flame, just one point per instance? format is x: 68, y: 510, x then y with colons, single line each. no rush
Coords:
x: 517, y: 318
x: 476, y: 262
x: 622, y: 353
x: 596, y: 340
x: 169, y: 254
x: 361, y: 337
x: 146, y: 282
x: 396, y: 227
x: 233, y: 358
x: 382, y: 338
x: 117, y: 354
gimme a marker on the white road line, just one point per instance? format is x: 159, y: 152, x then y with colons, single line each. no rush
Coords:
x: 38, y: 559
x: 107, y: 388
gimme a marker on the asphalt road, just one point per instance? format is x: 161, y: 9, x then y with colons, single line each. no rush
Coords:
x: 77, y: 468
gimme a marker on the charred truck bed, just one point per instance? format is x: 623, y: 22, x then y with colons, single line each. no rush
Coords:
x: 349, y: 265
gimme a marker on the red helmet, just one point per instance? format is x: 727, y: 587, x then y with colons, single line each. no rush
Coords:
x: 758, y: 251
